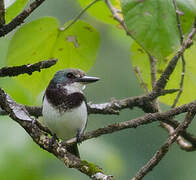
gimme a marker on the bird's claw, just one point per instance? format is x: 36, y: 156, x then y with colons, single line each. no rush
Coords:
x: 52, y: 141
x: 79, y: 137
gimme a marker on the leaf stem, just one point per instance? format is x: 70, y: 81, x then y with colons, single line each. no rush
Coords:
x: 182, y: 56
x: 79, y: 15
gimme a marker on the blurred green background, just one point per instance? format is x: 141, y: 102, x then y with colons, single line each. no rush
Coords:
x: 121, y: 153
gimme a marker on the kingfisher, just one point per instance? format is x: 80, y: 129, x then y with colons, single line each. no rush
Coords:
x: 64, y: 105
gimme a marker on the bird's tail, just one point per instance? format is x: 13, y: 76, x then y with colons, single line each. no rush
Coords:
x: 73, y: 149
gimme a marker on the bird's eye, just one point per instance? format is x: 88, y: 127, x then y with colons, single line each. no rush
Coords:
x: 70, y: 75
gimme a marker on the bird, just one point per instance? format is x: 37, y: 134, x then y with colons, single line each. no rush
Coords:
x: 64, y: 105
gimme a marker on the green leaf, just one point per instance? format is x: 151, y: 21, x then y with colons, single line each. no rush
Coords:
x: 188, y: 9
x: 153, y: 23
x: 13, y: 10
x: 100, y: 11
x: 31, y: 43
x: 41, y: 40
x: 77, y: 46
x: 140, y: 59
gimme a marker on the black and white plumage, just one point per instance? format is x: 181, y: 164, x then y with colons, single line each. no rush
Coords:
x: 64, y: 105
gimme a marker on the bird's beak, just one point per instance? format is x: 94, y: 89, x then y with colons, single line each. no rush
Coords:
x: 87, y: 79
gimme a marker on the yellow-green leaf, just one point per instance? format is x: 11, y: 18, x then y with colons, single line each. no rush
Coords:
x: 153, y: 23
x: 14, y: 9
x: 100, y: 11
x: 42, y: 39
x: 77, y: 46
x: 31, y: 43
x: 140, y: 59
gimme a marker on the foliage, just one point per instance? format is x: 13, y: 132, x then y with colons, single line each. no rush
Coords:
x: 152, y: 25
x: 149, y: 23
x: 75, y: 47
x: 104, y: 15
x: 14, y: 9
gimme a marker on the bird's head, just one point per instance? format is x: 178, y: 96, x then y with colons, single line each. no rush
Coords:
x: 72, y: 79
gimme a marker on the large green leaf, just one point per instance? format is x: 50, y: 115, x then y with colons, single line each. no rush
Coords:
x: 140, y: 59
x: 153, y: 23
x: 41, y: 39
x: 77, y: 46
x: 14, y: 9
x: 100, y: 11
x: 31, y: 43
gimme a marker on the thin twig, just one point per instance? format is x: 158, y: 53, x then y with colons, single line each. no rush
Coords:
x: 182, y: 56
x: 18, y: 20
x: 115, y: 12
x: 28, y: 69
x: 153, y: 68
x: 2, y: 13
x: 178, y: 21
x: 139, y: 74
x: 79, y: 15
x: 165, y: 147
x: 186, y: 141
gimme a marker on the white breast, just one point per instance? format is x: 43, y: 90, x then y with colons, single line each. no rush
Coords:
x: 67, y: 124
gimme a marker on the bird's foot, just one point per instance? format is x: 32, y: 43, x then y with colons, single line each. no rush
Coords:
x: 52, y: 141
x: 79, y: 137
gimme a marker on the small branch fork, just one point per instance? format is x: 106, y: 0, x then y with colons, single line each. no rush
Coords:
x: 165, y: 147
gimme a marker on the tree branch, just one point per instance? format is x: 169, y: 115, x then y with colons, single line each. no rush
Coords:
x: 28, y: 69
x: 2, y: 13
x: 161, y: 83
x: 146, y: 119
x: 19, y: 114
x: 114, y: 106
x: 144, y: 102
x: 170, y: 128
x: 165, y: 147
x: 18, y: 20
